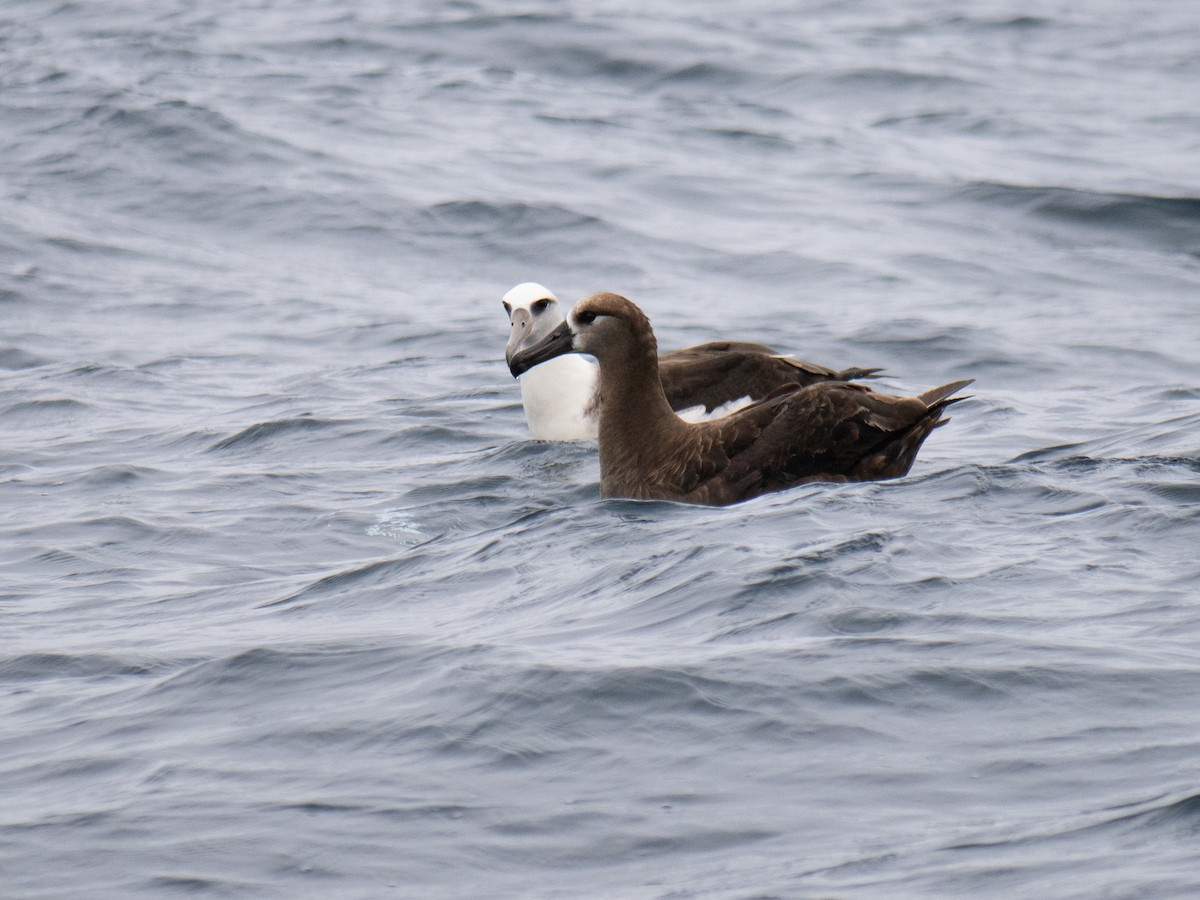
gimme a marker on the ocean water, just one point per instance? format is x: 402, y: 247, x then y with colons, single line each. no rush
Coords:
x: 291, y: 607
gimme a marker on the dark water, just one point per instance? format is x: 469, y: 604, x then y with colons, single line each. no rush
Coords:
x: 289, y: 605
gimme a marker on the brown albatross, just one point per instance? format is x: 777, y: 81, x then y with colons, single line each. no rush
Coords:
x: 828, y: 431
x: 706, y: 381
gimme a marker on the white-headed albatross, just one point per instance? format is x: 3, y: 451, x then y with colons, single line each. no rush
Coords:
x: 828, y: 431
x: 701, y: 382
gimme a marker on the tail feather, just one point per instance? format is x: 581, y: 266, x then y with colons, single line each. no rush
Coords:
x: 933, y: 395
x: 856, y: 374
x: 895, y: 455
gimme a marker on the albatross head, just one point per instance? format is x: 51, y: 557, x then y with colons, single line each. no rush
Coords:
x: 603, y: 325
x: 533, y: 312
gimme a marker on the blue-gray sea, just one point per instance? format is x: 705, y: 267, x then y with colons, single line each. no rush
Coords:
x: 291, y: 606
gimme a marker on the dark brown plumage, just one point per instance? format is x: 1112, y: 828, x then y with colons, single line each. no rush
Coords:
x: 828, y: 431
x: 722, y: 371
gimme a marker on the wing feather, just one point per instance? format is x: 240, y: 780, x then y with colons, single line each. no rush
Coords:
x: 712, y: 374
x: 830, y: 431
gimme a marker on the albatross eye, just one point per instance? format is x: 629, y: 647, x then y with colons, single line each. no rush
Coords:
x: 507, y: 308
x: 540, y: 306
x: 587, y: 317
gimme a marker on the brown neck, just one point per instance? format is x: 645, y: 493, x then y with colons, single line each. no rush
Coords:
x: 635, y: 417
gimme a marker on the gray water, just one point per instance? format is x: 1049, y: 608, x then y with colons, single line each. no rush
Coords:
x: 290, y: 606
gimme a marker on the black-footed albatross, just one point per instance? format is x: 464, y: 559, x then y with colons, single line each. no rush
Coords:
x: 828, y: 431
x: 706, y: 381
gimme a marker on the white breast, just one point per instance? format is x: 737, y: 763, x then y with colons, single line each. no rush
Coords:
x: 558, y: 397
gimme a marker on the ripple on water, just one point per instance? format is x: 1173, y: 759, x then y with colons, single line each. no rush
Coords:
x: 51, y: 410
x: 278, y: 428
x: 14, y: 358
x: 1165, y: 223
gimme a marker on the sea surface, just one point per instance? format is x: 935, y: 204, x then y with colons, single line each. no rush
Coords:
x: 291, y: 606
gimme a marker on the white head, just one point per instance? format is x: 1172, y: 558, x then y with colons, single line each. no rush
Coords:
x: 533, y: 312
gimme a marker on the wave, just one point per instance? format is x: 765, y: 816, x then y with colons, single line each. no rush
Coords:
x: 1002, y: 23
x: 1162, y: 222
x: 14, y: 359
x: 881, y: 79
x: 923, y: 337
x: 348, y: 580
x: 265, y: 431
x: 512, y: 221
x: 46, y: 666
x: 1177, y: 813
x: 56, y: 409
x: 870, y: 84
